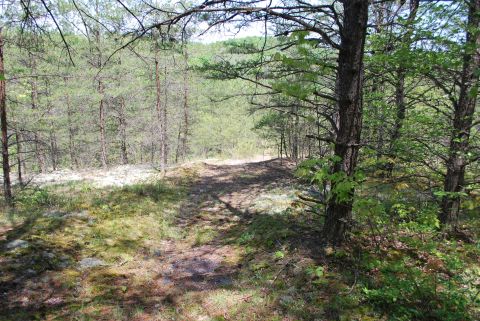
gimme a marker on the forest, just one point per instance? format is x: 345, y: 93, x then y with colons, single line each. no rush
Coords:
x: 240, y: 160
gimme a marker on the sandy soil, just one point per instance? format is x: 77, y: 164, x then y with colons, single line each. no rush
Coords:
x: 124, y: 174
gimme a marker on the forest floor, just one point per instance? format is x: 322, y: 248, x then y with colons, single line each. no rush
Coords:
x: 162, y: 249
x: 210, y: 241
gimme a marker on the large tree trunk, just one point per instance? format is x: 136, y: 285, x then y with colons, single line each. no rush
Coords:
x: 7, y: 188
x: 348, y: 93
x: 462, y: 120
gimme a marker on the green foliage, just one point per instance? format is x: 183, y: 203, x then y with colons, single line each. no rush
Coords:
x: 407, y: 293
x: 319, y: 172
x: 32, y: 199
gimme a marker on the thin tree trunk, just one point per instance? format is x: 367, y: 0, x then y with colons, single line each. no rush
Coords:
x: 53, y: 149
x: 281, y: 146
x: 162, y: 118
x: 185, y: 111
x: 349, y: 103
x: 36, y: 136
x: 462, y: 120
x: 102, y: 125
x: 177, y: 151
x: 295, y: 143
x: 7, y: 187
x: 123, y: 132
x: 19, y: 157
x: 401, y: 73
x: 71, y: 132
x: 100, y: 90
x: 164, y: 124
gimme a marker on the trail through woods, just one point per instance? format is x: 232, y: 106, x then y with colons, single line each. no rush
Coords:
x: 162, y: 276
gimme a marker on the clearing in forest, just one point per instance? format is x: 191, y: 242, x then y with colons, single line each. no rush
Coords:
x: 216, y: 241
x: 180, y: 248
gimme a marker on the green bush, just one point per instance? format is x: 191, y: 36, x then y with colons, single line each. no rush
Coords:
x: 405, y: 293
x: 35, y: 198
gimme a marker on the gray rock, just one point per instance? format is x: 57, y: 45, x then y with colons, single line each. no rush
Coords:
x: 54, y: 214
x: 91, y: 262
x: 30, y: 272
x: 16, y: 244
x: 286, y: 299
x: 48, y: 255
x: 83, y: 215
x: 225, y: 281
x: 157, y: 252
x: 63, y: 262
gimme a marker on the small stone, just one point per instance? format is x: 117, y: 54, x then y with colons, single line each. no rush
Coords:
x: 225, y: 281
x: 54, y: 301
x: 16, y: 244
x: 157, y: 252
x: 63, y: 262
x: 49, y: 255
x: 286, y: 299
x: 83, y: 215
x: 30, y: 272
x: 53, y: 214
x: 91, y: 262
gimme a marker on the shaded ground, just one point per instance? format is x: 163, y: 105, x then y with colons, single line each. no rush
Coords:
x: 179, y: 274
x: 224, y: 241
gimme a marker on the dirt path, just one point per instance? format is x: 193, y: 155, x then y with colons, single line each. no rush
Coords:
x: 178, y: 277
x: 222, y: 199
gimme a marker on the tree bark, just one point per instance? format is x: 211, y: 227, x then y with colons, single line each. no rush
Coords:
x: 123, y: 132
x: 36, y: 136
x: 100, y: 90
x: 348, y: 93
x: 294, y: 133
x: 19, y: 156
x: 7, y: 187
x: 53, y: 149
x: 400, y: 75
x: 102, y: 125
x: 186, y: 124
x: 71, y: 132
x: 464, y: 110
x: 162, y: 118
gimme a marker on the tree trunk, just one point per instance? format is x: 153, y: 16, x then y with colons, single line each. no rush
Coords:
x: 162, y: 118
x: 348, y: 93
x: 400, y: 104
x: 295, y: 129
x: 102, y: 125
x: 7, y: 187
x: 53, y: 149
x: 71, y: 132
x: 100, y: 89
x: 36, y: 136
x: 185, y: 112
x: 19, y: 156
x: 123, y: 132
x: 462, y: 120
